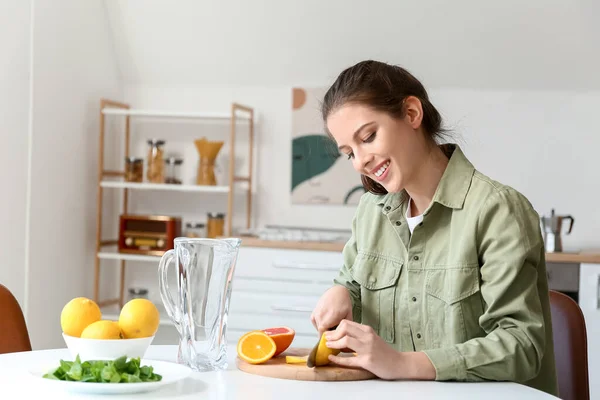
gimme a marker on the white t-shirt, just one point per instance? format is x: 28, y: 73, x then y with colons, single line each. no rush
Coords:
x: 412, y: 221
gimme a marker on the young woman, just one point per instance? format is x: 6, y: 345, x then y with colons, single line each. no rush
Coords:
x: 444, y: 277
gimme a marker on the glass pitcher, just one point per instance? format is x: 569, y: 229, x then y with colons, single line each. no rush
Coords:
x: 205, y: 270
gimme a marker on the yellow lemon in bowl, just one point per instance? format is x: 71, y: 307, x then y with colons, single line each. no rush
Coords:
x: 108, y: 330
x: 77, y: 314
x: 139, y: 318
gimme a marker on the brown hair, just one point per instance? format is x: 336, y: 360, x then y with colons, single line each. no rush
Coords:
x: 382, y: 87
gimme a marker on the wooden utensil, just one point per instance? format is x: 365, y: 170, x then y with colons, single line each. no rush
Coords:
x: 278, y: 368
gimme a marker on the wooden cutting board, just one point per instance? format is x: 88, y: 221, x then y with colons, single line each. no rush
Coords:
x: 278, y: 368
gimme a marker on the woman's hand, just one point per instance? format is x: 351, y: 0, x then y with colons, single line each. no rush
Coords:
x: 333, y: 306
x: 375, y: 355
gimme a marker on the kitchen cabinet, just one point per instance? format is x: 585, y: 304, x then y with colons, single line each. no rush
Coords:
x: 280, y: 287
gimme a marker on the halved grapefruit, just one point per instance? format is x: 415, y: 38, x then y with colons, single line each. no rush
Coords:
x: 283, y: 337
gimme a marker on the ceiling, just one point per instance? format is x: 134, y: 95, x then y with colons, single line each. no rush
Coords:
x: 509, y: 44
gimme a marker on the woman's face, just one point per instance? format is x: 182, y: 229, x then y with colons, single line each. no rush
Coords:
x: 385, y: 149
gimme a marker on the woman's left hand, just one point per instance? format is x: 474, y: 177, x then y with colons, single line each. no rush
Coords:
x: 375, y: 355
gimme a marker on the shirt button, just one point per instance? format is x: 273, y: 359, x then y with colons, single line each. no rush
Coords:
x: 414, y: 299
x: 418, y: 336
x: 398, y: 223
x: 416, y: 258
x: 388, y: 208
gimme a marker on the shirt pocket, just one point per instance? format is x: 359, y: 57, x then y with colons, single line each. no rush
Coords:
x: 378, y: 278
x: 454, y: 305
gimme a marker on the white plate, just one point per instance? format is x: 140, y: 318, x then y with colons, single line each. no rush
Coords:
x: 170, y: 372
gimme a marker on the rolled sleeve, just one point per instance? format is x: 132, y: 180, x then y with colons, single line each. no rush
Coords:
x: 511, y: 251
x: 448, y: 363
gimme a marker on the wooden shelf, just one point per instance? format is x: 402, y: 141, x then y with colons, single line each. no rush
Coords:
x: 172, y: 114
x: 164, y: 186
x: 589, y: 257
x: 115, y: 255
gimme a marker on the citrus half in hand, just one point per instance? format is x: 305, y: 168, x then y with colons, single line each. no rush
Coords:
x: 323, y: 352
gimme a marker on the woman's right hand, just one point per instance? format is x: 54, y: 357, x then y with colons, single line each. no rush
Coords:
x: 333, y: 306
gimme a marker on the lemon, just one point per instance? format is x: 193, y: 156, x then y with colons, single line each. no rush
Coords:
x: 77, y: 314
x: 139, y: 318
x: 102, y: 330
x: 323, y: 352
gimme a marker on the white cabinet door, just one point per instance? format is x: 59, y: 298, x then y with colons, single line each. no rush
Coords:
x: 280, y: 287
x: 589, y: 301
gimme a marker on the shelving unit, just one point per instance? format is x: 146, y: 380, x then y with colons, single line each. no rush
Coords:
x: 114, y: 179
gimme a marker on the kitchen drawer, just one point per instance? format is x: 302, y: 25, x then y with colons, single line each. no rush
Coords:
x: 277, y: 304
x: 563, y: 277
x: 239, y: 324
x: 252, y: 311
x: 289, y: 265
x: 249, y: 322
x: 258, y: 311
x: 263, y: 285
x: 300, y: 340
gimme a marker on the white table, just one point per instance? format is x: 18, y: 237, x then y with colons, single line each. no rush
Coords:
x: 235, y: 384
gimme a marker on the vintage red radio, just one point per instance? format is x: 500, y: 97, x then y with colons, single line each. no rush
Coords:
x: 148, y: 234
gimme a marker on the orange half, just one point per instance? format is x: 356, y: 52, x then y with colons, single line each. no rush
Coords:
x: 256, y: 347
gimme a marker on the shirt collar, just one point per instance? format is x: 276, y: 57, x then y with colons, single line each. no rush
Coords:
x: 452, y: 189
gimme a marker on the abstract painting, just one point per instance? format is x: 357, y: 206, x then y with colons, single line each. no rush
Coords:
x: 320, y: 173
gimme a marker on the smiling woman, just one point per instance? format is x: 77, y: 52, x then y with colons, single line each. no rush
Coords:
x: 444, y: 276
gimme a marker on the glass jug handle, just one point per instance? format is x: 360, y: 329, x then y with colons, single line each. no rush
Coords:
x: 165, y: 295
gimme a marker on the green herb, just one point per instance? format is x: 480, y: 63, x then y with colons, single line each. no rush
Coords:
x: 104, y: 371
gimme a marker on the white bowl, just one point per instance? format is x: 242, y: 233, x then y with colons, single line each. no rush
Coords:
x: 96, y: 349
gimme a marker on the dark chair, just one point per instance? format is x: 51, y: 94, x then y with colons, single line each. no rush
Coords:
x: 570, y: 347
x: 13, y: 330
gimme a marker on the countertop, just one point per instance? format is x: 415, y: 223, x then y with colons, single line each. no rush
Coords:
x: 587, y: 256
x: 16, y: 382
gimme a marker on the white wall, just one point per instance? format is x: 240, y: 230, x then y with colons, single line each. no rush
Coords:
x: 14, y: 127
x: 542, y: 44
x: 541, y: 142
x: 74, y: 67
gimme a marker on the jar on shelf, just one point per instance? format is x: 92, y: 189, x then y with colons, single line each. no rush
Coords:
x: 215, y: 225
x: 197, y: 230
x: 134, y: 169
x: 156, y: 164
x: 173, y: 172
x: 138, y: 293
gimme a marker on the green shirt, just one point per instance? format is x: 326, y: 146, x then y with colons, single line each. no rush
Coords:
x: 468, y: 287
